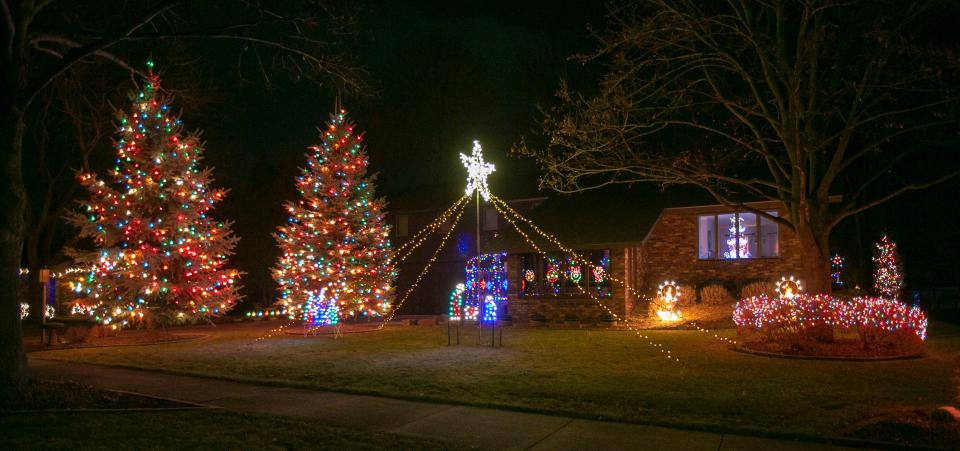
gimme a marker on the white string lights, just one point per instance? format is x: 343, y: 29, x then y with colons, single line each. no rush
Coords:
x: 426, y: 268
x: 477, y: 171
x: 406, y: 250
x: 664, y: 351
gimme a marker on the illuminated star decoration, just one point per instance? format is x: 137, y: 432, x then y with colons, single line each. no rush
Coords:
x: 477, y: 171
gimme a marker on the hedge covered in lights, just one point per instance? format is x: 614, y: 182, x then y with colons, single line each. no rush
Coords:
x: 873, y: 318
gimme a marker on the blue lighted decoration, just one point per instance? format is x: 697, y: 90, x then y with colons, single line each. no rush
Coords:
x: 321, y: 311
x: 486, y: 286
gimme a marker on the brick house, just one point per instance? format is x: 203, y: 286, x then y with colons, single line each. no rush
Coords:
x: 641, y: 245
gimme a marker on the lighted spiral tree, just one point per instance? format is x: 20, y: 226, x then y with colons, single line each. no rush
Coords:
x: 887, y: 278
x: 336, y: 240
x: 159, y: 255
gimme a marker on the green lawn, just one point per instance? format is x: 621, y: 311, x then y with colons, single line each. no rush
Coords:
x: 593, y: 373
x: 192, y: 429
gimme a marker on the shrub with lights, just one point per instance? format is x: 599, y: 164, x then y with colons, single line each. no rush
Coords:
x: 335, y: 241
x: 794, y: 318
x: 159, y: 254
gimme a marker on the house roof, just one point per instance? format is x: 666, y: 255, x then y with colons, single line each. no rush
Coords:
x: 609, y: 217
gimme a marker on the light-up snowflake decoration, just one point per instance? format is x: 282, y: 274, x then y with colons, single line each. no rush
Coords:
x: 477, y: 171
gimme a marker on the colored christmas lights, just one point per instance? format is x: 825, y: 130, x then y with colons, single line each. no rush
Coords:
x: 887, y: 277
x: 456, y: 302
x: 321, y: 311
x: 335, y: 246
x: 486, y: 284
x: 158, y: 250
x: 836, y: 269
x: 477, y: 172
x: 867, y: 315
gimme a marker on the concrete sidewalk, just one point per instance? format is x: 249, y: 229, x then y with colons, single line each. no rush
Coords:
x: 468, y: 426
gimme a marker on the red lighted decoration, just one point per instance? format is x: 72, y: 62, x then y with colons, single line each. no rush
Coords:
x: 873, y: 316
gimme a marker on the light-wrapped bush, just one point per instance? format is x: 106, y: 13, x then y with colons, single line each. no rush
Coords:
x: 798, y: 319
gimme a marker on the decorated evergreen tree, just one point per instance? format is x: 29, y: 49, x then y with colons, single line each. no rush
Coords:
x: 159, y: 256
x: 887, y: 278
x: 336, y: 257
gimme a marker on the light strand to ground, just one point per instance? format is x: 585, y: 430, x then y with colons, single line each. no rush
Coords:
x: 275, y: 331
x: 666, y: 352
x: 566, y: 249
x: 405, y: 250
x: 715, y: 335
x: 426, y: 268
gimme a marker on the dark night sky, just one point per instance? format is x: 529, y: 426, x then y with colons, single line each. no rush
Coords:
x: 443, y: 75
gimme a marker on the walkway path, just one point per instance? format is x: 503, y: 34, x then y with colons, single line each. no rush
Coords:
x: 469, y: 426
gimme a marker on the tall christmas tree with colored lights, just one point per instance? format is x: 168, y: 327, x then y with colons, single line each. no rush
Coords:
x: 887, y: 278
x: 335, y: 246
x: 159, y: 256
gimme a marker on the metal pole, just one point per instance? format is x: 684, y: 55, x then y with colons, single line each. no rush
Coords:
x: 478, y: 295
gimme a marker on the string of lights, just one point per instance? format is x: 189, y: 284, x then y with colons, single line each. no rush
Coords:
x: 566, y: 249
x: 276, y: 331
x: 407, y: 249
x: 666, y: 352
x: 715, y: 335
x: 426, y: 268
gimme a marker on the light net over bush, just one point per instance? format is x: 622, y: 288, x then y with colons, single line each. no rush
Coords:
x: 874, y: 318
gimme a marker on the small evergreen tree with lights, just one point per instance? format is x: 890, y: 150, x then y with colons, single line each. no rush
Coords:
x: 158, y: 255
x: 887, y: 276
x: 336, y: 258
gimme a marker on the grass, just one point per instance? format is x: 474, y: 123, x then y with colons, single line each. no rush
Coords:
x: 586, y: 373
x: 187, y: 430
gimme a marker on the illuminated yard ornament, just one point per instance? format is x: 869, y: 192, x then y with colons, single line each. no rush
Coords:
x: 667, y: 295
x: 489, y: 309
x: 456, y: 302
x: 486, y: 286
x: 836, y: 269
x: 24, y: 310
x: 789, y: 288
x: 321, y: 311
x: 574, y: 272
x: 477, y: 171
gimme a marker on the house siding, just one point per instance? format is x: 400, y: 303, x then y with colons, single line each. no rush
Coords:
x: 669, y: 252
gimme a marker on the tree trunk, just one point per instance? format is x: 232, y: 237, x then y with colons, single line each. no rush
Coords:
x: 13, y: 200
x: 814, y: 258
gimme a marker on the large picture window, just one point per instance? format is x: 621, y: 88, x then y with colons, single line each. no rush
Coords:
x: 737, y: 236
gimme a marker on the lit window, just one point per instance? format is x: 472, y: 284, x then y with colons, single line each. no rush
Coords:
x: 737, y: 236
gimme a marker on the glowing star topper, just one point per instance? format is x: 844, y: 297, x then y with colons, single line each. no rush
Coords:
x: 477, y: 171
